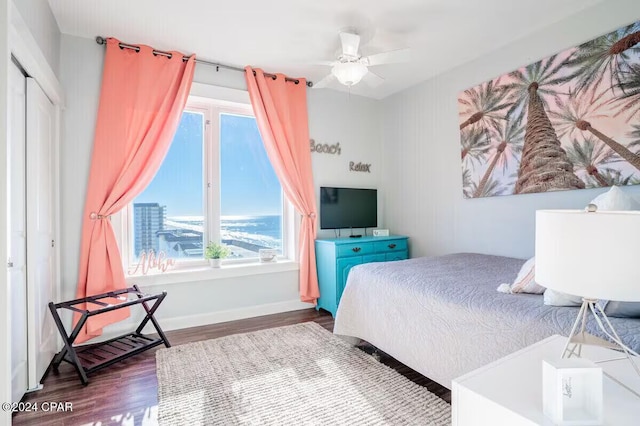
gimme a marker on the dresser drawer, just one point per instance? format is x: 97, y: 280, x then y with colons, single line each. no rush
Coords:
x: 355, y: 249
x: 389, y: 246
x: 380, y: 257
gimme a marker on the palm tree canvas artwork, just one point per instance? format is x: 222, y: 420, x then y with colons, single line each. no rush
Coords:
x: 569, y: 121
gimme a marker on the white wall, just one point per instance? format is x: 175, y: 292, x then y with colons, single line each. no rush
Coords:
x: 43, y: 26
x: 421, y: 148
x: 353, y: 122
x: 333, y: 117
x: 80, y: 75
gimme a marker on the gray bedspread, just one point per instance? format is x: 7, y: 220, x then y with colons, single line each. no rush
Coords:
x: 443, y: 317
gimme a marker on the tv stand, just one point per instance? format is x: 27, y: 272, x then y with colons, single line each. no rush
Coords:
x: 357, y: 235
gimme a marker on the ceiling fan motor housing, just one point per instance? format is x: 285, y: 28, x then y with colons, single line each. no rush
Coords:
x: 349, y: 73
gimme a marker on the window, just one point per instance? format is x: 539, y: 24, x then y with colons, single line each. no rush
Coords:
x: 215, y: 184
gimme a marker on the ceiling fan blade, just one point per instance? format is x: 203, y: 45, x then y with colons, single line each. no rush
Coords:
x: 326, y: 63
x: 394, y: 56
x: 350, y: 44
x: 372, y: 79
x: 324, y: 82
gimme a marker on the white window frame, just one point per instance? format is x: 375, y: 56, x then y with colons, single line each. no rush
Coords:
x: 122, y: 222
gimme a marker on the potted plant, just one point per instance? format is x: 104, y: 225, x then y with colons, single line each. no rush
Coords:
x: 216, y: 252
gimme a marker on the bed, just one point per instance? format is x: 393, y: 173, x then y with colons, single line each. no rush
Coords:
x: 443, y: 317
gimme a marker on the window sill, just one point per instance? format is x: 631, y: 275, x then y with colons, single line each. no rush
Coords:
x: 207, y: 273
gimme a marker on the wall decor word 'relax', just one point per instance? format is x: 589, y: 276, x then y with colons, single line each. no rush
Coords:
x: 149, y: 261
x: 359, y: 167
x: 324, y: 148
x: 569, y: 121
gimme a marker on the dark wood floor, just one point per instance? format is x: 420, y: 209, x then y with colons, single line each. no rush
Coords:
x: 127, y: 392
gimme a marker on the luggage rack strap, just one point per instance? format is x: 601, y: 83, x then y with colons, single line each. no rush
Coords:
x: 113, y: 294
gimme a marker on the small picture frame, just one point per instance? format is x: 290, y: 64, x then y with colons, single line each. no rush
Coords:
x: 572, y: 391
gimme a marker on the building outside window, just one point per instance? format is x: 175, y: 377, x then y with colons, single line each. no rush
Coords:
x: 216, y: 184
x: 149, y: 219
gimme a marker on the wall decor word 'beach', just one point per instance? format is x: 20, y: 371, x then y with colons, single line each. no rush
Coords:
x: 324, y: 148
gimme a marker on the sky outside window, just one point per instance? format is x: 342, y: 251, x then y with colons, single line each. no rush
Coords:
x: 179, y: 182
x: 249, y: 184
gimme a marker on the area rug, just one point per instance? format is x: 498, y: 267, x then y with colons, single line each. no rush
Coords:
x: 294, y: 375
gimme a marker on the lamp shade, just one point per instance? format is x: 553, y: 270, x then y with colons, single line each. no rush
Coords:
x: 349, y: 73
x: 589, y: 254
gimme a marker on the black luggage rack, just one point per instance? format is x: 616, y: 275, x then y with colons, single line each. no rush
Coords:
x: 89, y: 358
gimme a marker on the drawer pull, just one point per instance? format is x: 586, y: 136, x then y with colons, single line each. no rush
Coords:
x: 356, y: 249
x: 391, y: 246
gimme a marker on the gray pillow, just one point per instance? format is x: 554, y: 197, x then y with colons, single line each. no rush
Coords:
x: 622, y: 309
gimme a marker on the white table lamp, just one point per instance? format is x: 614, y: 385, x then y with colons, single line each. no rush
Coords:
x: 592, y: 254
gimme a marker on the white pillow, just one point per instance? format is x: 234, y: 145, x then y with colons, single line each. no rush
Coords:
x: 525, y: 281
x: 556, y: 298
x: 615, y: 199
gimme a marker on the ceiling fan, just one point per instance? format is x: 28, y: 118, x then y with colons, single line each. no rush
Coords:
x: 351, y: 67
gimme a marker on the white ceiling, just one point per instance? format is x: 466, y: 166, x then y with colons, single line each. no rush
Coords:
x: 290, y: 35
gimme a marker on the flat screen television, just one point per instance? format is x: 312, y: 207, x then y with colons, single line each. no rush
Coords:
x: 348, y: 208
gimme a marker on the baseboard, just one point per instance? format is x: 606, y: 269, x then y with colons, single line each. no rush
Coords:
x: 232, y: 314
x: 178, y: 323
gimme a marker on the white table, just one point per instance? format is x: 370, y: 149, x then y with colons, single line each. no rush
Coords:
x: 509, y: 390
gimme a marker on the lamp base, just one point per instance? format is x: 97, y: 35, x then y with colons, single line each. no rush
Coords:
x: 579, y: 336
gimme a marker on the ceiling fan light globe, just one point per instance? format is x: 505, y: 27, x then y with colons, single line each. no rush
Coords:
x: 349, y: 73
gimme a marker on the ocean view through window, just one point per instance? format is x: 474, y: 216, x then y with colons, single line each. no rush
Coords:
x: 215, y: 184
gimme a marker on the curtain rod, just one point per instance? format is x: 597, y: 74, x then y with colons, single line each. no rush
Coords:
x: 102, y: 40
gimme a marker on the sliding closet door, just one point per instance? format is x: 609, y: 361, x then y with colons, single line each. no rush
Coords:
x: 17, y: 241
x: 40, y: 230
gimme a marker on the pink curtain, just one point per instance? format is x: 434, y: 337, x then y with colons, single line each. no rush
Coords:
x: 141, y: 104
x: 280, y: 108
